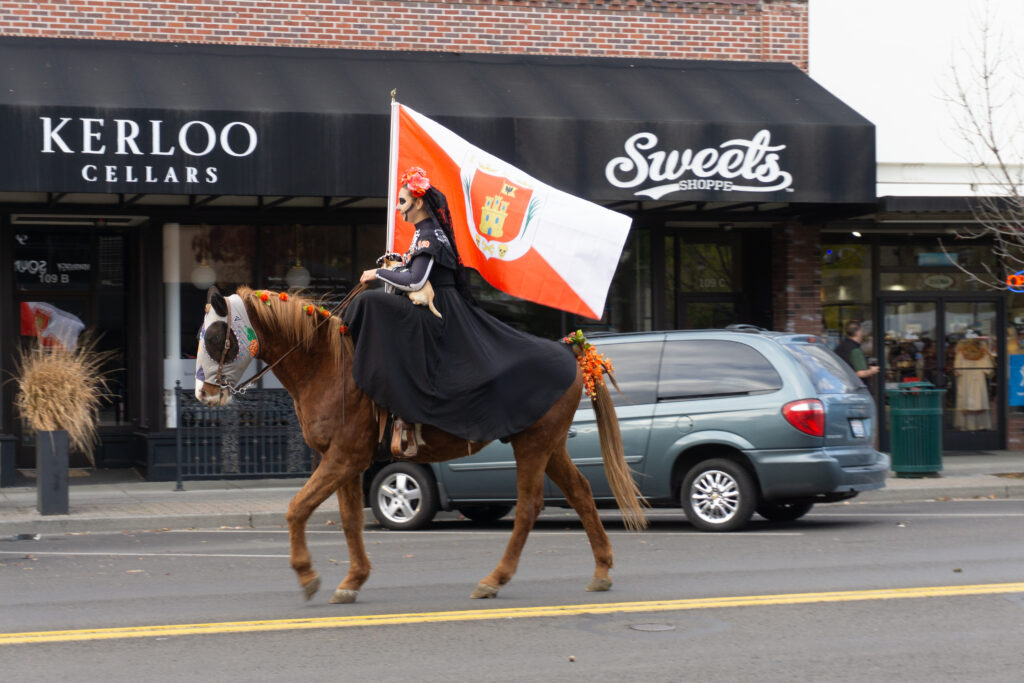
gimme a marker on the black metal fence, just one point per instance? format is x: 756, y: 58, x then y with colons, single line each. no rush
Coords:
x: 256, y: 435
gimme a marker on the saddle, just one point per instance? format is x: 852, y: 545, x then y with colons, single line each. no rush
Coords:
x: 421, y: 297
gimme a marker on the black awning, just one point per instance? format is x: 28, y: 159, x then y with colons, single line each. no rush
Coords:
x: 128, y: 117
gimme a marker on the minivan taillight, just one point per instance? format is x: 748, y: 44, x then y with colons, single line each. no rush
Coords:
x: 807, y: 415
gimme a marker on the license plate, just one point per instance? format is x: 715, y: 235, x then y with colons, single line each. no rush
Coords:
x: 857, y: 427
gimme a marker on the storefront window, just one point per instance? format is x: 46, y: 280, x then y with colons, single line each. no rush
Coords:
x: 953, y: 281
x: 70, y: 287
x: 628, y: 307
x: 928, y: 253
x: 702, y: 280
x: 846, y: 291
x: 706, y: 268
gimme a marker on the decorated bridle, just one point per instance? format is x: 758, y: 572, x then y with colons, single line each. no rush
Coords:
x: 247, y: 384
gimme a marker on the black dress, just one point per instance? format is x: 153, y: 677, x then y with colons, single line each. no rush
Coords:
x: 466, y: 373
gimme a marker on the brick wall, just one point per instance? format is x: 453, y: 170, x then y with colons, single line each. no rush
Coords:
x: 757, y: 30
x: 796, y: 278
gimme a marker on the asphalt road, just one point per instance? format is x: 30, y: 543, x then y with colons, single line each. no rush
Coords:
x: 836, y: 596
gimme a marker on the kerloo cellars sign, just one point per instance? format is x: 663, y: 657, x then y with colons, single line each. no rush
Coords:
x: 131, y: 151
x: 147, y: 153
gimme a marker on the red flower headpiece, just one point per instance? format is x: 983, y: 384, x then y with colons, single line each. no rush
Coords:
x: 416, y: 179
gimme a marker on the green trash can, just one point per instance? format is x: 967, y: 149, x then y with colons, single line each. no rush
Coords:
x: 915, y: 422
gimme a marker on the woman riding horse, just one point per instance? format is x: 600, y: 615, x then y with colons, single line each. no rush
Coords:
x: 465, y: 376
x: 463, y: 371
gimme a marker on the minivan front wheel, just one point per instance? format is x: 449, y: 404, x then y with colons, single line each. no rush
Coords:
x: 718, y: 495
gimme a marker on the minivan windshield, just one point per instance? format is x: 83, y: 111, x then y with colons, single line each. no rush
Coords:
x: 829, y: 373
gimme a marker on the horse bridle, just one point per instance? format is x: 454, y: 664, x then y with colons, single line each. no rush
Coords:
x: 244, y: 386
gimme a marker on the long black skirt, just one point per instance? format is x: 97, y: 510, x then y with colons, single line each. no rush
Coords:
x: 466, y: 373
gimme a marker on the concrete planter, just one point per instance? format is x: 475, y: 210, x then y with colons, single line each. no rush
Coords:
x: 52, y: 472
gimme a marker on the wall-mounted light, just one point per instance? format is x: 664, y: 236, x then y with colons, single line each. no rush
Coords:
x: 203, y: 276
x: 298, y: 276
x: 855, y: 233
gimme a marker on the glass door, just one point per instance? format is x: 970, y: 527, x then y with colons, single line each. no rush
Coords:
x: 951, y: 342
x: 971, y: 417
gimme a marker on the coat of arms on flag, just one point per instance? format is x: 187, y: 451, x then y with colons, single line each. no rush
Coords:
x: 499, y: 209
x: 524, y: 237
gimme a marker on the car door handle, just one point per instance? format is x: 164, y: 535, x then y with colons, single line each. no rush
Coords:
x: 572, y: 432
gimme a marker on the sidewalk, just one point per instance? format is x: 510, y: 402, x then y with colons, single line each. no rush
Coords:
x: 120, y: 500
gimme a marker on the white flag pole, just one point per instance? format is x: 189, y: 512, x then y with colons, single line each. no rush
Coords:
x: 392, y: 174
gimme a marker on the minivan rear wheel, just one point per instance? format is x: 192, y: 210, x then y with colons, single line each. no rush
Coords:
x: 403, y: 496
x: 718, y: 495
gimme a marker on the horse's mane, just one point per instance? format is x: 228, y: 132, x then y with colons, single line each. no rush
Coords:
x: 289, y: 318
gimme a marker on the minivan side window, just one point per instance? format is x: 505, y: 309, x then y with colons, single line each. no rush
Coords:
x: 698, y: 368
x: 636, y: 372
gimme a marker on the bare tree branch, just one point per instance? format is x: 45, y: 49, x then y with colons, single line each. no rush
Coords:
x: 985, y: 101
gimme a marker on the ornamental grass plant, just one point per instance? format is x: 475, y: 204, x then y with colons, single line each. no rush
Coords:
x: 59, y: 389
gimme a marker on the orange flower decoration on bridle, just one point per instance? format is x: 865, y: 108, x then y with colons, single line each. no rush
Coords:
x: 416, y: 180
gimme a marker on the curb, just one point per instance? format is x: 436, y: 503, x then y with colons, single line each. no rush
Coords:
x: 1000, y: 489
x: 72, y: 523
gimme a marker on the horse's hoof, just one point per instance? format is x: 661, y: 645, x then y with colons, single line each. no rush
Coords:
x: 343, y: 597
x: 599, y: 584
x: 484, y: 591
x: 310, y: 589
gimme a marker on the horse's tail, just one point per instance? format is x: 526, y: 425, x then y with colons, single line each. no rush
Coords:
x: 627, y: 495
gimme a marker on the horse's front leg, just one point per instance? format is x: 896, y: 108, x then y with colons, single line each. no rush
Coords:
x: 350, y: 501
x: 530, y: 484
x: 322, y: 483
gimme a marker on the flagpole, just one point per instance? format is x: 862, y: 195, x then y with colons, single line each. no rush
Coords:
x: 392, y: 174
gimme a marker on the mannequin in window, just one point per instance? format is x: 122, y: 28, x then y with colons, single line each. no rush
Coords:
x: 972, y: 367
x: 1013, y: 341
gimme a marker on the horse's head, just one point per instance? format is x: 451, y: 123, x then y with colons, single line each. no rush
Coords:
x: 227, y: 344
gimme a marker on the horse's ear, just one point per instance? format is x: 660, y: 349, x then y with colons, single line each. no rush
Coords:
x: 217, y: 300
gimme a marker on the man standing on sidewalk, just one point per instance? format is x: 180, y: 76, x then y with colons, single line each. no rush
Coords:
x: 849, y: 350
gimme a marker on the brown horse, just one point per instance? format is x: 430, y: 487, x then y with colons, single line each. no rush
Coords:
x: 312, y: 357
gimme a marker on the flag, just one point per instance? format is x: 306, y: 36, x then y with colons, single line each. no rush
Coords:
x: 53, y: 326
x: 525, y: 238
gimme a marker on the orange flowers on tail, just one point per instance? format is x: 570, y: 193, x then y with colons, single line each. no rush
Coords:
x: 593, y: 364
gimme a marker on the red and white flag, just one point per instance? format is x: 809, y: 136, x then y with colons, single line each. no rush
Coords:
x: 53, y: 326
x: 524, y: 237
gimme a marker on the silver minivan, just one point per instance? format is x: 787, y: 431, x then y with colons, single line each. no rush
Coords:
x: 723, y: 423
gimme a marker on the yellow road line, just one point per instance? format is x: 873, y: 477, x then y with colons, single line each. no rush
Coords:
x: 507, y: 613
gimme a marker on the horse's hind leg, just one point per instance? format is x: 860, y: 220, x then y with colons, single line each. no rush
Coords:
x: 321, y: 484
x: 530, y: 483
x: 350, y: 501
x: 577, y: 491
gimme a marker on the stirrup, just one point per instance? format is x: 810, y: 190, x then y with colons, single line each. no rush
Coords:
x: 402, y: 446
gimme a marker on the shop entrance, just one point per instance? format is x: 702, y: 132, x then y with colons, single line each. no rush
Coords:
x: 954, y: 342
x: 70, y: 287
